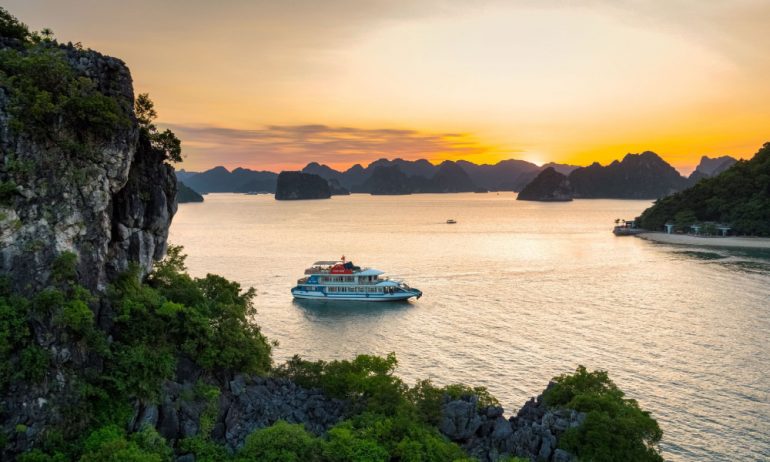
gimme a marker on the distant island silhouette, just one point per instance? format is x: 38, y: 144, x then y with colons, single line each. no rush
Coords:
x: 636, y: 176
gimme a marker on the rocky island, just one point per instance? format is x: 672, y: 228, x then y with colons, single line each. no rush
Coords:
x: 548, y: 186
x: 111, y: 351
x: 298, y: 185
x: 185, y: 194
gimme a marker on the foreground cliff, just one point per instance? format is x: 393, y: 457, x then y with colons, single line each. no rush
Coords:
x: 109, y: 350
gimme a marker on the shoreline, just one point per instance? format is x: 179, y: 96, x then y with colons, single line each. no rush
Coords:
x: 729, y: 241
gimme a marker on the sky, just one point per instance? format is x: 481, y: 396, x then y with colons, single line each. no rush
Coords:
x: 276, y: 84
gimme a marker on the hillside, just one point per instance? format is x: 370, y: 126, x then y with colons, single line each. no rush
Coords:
x: 185, y: 194
x: 739, y: 196
x: 637, y: 176
x: 299, y: 186
x: 708, y: 167
x: 240, y: 180
x: 506, y: 175
x: 548, y: 186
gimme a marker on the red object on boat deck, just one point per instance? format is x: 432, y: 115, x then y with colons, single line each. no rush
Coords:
x: 340, y: 269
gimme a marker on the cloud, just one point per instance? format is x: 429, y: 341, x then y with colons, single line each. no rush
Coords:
x: 293, y: 146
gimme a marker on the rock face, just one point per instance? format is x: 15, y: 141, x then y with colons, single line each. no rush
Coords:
x: 708, y: 167
x: 245, y: 404
x: 221, y: 180
x: 337, y: 189
x: 637, y: 176
x: 110, y: 208
x: 451, y: 178
x: 185, y: 194
x: 548, y: 186
x: 298, y: 185
x: 110, y: 202
x: 488, y: 436
x: 387, y: 181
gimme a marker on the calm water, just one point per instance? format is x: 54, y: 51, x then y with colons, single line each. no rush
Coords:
x: 515, y: 293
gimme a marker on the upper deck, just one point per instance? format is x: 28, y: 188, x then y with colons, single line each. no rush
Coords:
x: 341, y: 267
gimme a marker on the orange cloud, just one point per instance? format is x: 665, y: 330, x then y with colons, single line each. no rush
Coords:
x: 279, y: 147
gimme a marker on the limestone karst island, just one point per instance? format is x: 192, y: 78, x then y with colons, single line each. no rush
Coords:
x: 384, y: 231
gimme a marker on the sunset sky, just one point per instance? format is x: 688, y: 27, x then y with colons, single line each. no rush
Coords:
x: 277, y: 84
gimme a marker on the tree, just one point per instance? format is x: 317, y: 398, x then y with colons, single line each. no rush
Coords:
x: 164, y: 142
x: 12, y: 27
x: 684, y: 219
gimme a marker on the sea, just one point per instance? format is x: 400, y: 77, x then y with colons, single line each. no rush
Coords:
x: 514, y: 294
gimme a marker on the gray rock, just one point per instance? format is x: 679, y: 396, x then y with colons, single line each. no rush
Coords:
x: 560, y: 455
x: 502, y: 429
x: 460, y: 419
x: 168, y: 423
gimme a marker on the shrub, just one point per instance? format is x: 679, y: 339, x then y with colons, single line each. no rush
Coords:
x: 428, y: 398
x: 111, y: 444
x: 367, y: 380
x: 615, y: 427
x: 281, y: 442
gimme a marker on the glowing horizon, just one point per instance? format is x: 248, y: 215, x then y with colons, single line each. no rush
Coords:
x: 273, y: 85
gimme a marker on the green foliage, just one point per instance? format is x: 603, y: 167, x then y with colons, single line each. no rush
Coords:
x: 615, y: 427
x: 12, y: 27
x: 164, y: 142
x: 428, y: 398
x: 684, y: 219
x: 281, y: 442
x: 110, y: 443
x: 395, y: 437
x: 65, y: 267
x: 366, y: 380
x: 37, y: 455
x: 739, y: 196
x: 204, y: 449
x: 50, y: 102
x: 7, y: 191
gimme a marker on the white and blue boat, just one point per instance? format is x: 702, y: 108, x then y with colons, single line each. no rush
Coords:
x: 341, y: 280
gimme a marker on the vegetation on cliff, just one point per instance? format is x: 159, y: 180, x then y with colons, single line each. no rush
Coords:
x: 739, y: 196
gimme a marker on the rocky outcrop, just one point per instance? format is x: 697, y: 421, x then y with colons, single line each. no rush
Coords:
x: 708, y: 167
x: 245, y: 404
x: 298, y: 185
x: 221, y: 180
x: 548, y: 186
x: 106, y: 198
x: 387, y: 181
x: 637, y: 176
x: 185, y: 194
x: 337, y: 189
x: 110, y: 207
x: 487, y: 435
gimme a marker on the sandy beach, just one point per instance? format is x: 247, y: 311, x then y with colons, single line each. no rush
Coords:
x: 730, y: 241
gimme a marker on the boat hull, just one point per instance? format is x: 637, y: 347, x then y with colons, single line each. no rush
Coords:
x: 313, y: 295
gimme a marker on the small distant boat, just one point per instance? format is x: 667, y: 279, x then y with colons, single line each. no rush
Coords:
x: 341, y: 280
x: 451, y: 221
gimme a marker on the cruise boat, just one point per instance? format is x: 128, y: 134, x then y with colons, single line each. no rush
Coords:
x: 342, y: 280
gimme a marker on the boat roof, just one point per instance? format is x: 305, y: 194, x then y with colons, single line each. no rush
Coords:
x: 369, y: 272
x: 324, y: 262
